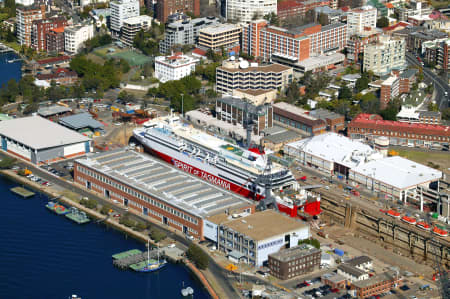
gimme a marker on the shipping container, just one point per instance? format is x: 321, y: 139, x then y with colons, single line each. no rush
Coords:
x: 339, y: 252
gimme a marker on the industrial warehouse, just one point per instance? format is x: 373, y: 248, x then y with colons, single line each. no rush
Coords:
x: 355, y: 161
x: 155, y: 189
x: 39, y: 140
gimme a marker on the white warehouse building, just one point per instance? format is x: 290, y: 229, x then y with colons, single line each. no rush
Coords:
x: 39, y: 140
x: 359, y: 163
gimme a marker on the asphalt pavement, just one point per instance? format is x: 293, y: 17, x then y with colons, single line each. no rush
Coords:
x: 439, y: 83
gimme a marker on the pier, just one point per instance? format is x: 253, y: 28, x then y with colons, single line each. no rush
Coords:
x: 22, y: 192
x: 125, y: 259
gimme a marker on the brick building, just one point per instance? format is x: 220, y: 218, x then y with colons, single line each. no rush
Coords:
x: 40, y: 28
x: 25, y: 17
x: 389, y: 90
x: 167, y: 195
x: 260, y: 39
x: 289, y: 263
x: 357, y: 42
x: 370, y: 126
x: 407, y: 79
x: 308, y: 123
x: 290, y: 9
x: 334, y: 280
x: 232, y: 110
x: 165, y: 8
x: 60, y: 76
x: 55, y: 40
x: 377, y: 284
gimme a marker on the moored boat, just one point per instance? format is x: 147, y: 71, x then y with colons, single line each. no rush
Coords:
x: 423, y: 225
x: 409, y: 220
x: 440, y: 232
x: 57, y: 208
x: 393, y: 213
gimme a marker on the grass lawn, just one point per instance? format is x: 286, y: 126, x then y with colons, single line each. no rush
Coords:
x: 96, y: 58
x: 13, y: 45
x: 439, y: 4
x: 440, y: 158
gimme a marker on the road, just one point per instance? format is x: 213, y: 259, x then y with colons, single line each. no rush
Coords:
x: 439, y: 84
x: 219, y: 273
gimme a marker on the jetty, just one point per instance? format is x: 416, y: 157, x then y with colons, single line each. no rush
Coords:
x: 77, y: 216
x: 22, y: 192
x: 124, y: 260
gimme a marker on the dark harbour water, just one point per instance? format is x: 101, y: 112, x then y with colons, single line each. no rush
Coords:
x: 43, y: 255
x: 9, y: 71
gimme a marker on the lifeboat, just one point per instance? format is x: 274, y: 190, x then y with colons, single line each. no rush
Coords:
x: 423, y: 225
x: 440, y: 232
x: 393, y: 213
x: 409, y: 220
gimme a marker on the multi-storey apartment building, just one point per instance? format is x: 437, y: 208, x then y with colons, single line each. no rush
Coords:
x: 232, y: 110
x: 295, y: 261
x: 358, y: 19
x: 246, y: 11
x: 389, y: 90
x: 165, y: 8
x: 55, y: 40
x: 184, y: 32
x: 261, y: 40
x: 220, y: 36
x: 290, y: 9
x: 370, y: 126
x: 414, y: 8
x: 234, y: 75
x: 75, y: 36
x: 25, y: 17
x: 174, y: 67
x: 40, y: 28
x: 386, y: 55
x: 121, y: 10
x: 358, y: 41
x: 132, y: 26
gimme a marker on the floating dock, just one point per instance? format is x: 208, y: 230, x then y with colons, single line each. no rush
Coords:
x: 121, y: 255
x: 22, y: 192
x: 140, y: 265
x: 134, y: 257
x: 77, y: 216
x: 57, y: 208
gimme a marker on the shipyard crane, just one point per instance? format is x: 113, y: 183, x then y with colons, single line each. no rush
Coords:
x: 443, y: 283
x: 265, y: 179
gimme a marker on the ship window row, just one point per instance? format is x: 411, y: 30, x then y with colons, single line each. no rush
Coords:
x: 138, y: 195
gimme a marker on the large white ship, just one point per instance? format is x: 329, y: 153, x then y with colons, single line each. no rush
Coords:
x: 220, y: 162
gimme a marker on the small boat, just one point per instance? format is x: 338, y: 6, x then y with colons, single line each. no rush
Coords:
x: 409, y: 220
x: 423, y: 225
x: 440, y: 232
x: 393, y: 213
x: 152, y: 265
x: 57, y: 208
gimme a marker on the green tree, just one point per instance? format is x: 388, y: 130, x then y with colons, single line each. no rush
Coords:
x: 292, y: 92
x: 105, y: 209
x: 157, y: 235
x: 345, y: 93
x: 362, y: 83
x: 198, y: 256
x: 312, y: 242
x: 370, y: 103
x: 382, y: 22
x: 446, y: 114
x: 432, y: 106
x: 322, y: 19
x: 7, y: 162
x: 272, y: 18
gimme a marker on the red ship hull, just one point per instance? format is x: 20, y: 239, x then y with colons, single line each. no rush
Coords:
x: 311, y: 208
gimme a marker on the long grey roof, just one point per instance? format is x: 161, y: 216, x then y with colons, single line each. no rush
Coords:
x: 52, y: 110
x: 79, y: 121
x: 39, y: 133
x: 164, y: 182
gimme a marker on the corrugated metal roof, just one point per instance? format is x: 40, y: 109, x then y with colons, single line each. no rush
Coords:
x: 79, y: 121
x: 39, y: 133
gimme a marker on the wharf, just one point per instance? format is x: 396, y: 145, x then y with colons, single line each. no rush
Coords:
x: 121, y: 255
x: 77, y: 216
x: 173, y: 254
x: 22, y: 192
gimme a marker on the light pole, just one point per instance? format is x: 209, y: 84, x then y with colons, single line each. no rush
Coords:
x: 182, y: 105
